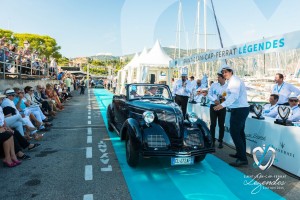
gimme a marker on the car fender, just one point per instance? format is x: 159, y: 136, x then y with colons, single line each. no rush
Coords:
x: 204, y: 129
x: 109, y: 113
x: 135, y: 132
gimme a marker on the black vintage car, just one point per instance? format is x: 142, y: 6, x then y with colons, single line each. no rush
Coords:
x: 153, y: 125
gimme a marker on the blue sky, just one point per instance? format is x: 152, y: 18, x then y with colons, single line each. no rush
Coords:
x: 88, y: 27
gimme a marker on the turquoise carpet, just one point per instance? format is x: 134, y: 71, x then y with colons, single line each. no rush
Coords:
x: 156, y: 179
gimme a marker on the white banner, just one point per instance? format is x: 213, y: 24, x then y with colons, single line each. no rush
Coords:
x: 284, y: 139
x: 267, y: 45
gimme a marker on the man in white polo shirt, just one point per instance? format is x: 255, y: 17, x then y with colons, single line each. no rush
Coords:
x: 271, y: 109
x: 283, y: 89
x: 182, y: 90
x: 295, y: 110
x: 236, y: 100
x: 216, y: 95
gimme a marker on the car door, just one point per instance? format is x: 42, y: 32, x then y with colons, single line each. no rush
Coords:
x: 119, y: 105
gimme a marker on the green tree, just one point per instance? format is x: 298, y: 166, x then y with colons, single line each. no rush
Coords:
x: 45, y: 45
x: 63, y: 61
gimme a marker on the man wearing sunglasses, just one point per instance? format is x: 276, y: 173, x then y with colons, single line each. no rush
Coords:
x: 295, y: 110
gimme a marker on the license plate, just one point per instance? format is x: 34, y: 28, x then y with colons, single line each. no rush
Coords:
x: 182, y: 160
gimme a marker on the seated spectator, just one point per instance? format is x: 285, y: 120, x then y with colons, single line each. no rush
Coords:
x: 18, y: 140
x: 10, y: 109
x: 34, y: 106
x: 7, y: 142
x: 51, y: 93
x: 46, y: 105
x: 201, y: 96
x: 271, y: 109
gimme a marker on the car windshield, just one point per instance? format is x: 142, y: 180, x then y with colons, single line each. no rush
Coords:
x: 149, y: 92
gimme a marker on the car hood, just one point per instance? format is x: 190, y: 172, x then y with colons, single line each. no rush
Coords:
x: 169, y: 117
x: 156, y: 105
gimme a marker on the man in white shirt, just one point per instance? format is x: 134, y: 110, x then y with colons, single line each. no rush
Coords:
x: 216, y: 95
x: 198, y: 84
x: 236, y: 100
x: 204, y: 81
x: 295, y: 110
x: 283, y: 89
x: 271, y: 109
x: 193, y: 81
x: 182, y: 90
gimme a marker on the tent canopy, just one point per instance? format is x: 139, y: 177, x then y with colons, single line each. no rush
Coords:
x: 156, y: 57
x: 133, y: 63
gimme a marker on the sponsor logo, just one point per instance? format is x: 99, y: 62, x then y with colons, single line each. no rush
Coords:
x: 281, y: 149
x: 265, y: 160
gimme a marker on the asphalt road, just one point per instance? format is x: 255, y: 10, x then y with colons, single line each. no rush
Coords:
x: 77, y: 161
x: 62, y: 167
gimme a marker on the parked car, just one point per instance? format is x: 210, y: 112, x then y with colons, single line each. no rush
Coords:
x: 153, y: 125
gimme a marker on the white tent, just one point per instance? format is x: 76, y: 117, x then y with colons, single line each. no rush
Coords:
x: 155, y: 63
x: 134, y: 63
x: 138, y: 67
x: 156, y: 57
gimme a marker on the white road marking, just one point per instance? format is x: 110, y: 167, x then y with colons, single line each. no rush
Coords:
x: 89, y: 122
x: 89, y: 131
x: 89, y: 152
x: 106, y: 169
x: 89, y: 113
x: 88, y: 197
x: 89, y: 117
x: 89, y: 139
x: 88, y: 175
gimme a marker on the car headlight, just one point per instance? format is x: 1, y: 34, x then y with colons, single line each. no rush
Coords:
x: 148, y: 117
x: 192, y: 117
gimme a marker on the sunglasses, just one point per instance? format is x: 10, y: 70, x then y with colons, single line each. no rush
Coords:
x: 31, y: 90
x: 293, y: 100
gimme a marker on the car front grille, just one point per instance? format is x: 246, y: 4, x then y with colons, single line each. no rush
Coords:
x: 192, y: 140
x: 156, y: 141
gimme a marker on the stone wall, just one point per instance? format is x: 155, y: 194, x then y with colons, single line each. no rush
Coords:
x: 23, y: 83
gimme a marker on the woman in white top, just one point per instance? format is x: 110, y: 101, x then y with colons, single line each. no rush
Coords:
x: 33, y: 105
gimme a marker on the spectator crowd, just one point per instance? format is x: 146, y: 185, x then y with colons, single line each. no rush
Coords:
x: 24, y: 60
x: 26, y: 114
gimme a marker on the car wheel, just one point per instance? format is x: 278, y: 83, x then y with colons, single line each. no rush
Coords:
x: 132, y: 155
x: 109, y: 121
x: 199, y: 158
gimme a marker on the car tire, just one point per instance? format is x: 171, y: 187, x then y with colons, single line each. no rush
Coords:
x: 132, y: 155
x: 109, y: 121
x: 199, y: 158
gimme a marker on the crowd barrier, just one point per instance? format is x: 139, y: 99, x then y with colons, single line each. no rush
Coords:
x: 17, y: 65
x: 284, y: 139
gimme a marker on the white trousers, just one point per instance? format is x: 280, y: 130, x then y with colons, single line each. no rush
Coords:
x: 16, y: 122
x: 36, y: 111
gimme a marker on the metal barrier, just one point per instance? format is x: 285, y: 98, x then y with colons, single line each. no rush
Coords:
x: 22, y: 64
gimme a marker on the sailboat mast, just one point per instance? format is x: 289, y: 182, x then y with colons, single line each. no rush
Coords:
x: 179, y: 27
x: 198, y: 37
x: 205, y: 34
